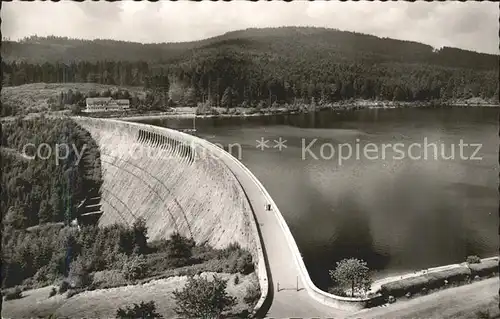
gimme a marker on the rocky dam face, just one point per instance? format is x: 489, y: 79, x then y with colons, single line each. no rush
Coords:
x: 173, y: 182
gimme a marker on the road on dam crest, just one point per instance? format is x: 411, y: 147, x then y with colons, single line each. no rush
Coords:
x: 288, y: 302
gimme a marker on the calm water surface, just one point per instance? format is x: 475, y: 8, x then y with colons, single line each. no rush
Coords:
x: 398, y: 214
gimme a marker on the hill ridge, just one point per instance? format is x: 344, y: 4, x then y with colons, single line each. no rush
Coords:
x: 65, y: 48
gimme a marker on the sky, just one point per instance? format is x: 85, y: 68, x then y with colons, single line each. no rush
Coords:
x: 468, y: 25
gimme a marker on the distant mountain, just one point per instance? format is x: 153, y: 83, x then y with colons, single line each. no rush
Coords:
x: 271, y: 64
x: 288, y: 41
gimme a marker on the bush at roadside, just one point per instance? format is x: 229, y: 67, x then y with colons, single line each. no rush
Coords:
x: 485, y: 268
x: 12, y: 294
x: 135, y: 268
x: 337, y: 291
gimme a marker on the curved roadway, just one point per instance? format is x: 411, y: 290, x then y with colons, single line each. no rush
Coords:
x: 283, y: 271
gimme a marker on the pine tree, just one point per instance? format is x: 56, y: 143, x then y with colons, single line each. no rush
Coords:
x: 227, y: 98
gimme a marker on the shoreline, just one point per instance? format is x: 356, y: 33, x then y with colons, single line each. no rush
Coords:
x: 417, y: 273
x: 190, y: 113
x: 283, y: 111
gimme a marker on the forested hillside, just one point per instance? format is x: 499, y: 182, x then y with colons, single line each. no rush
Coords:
x: 274, y: 65
x: 38, y: 189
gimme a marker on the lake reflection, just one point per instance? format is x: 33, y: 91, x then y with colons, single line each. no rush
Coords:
x: 398, y: 214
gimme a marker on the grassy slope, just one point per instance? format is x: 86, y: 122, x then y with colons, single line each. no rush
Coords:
x: 34, y: 96
x: 103, y: 303
x: 460, y: 302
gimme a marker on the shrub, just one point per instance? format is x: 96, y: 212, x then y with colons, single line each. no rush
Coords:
x: 337, y: 291
x: 244, y: 263
x: 64, y: 287
x: 79, y: 273
x: 244, y: 104
x: 74, y: 291
x: 473, y: 259
x: 75, y: 109
x: 135, y: 268
x: 158, y: 245
x: 53, y: 292
x: 401, y: 287
x: 15, y: 293
x: 41, y: 275
x: 428, y: 281
x: 238, y: 260
x: 230, y: 249
x: 205, y: 253
x: 140, y: 237
x: 54, y: 106
x: 108, y: 279
x: 179, y: 247
x: 252, y: 294
x: 142, y: 310
x: 203, y: 298
x: 483, y: 314
x: 7, y: 110
x: 119, y: 261
x: 484, y: 268
x: 236, y: 280
x: 437, y: 279
x: 203, y: 108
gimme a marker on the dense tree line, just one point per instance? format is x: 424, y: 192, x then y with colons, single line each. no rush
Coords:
x: 104, y: 72
x: 285, y: 41
x: 256, y: 66
x: 48, y: 252
x: 40, y: 255
x: 36, y: 190
x: 229, y: 77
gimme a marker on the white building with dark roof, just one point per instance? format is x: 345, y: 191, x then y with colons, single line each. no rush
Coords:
x: 103, y: 104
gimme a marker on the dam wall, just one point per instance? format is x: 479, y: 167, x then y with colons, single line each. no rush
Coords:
x: 177, y: 183
x: 300, y: 271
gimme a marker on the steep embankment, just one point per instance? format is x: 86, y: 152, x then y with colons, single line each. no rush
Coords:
x: 152, y: 175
